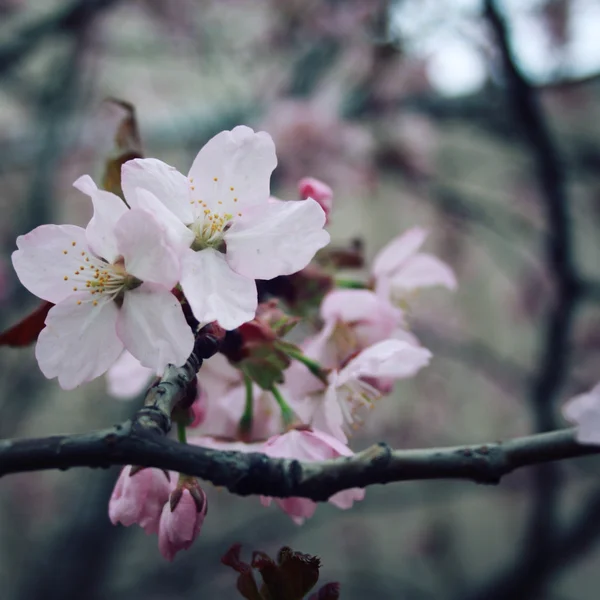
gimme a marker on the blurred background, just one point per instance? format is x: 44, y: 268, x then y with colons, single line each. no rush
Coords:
x: 416, y: 112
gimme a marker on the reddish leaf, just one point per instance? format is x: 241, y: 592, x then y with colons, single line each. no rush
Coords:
x: 26, y: 331
x: 245, y: 583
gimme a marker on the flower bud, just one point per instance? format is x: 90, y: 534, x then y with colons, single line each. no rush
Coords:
x: 182, y: 517
x: 139, y: 497
x: 309, y: 187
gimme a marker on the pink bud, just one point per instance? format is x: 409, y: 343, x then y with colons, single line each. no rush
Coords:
x: 181, y: 520
x: 309, y: 187
x: 139, y: 498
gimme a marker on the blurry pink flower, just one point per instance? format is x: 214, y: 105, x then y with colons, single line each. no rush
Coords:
x: 111, y: 286
x: 139, y: 498
x: 309, y: 446
x: 399, y: 268
x: 309, y: 187
x: 335, y: 409
x: 127, y: 378
x: 181, y: 520
x: 229, y: 231
x: 584, y: 412
x: 353, y: 321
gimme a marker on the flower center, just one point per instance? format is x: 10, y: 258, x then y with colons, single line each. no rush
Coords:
x: 101, y: 278
x: 209, y: 230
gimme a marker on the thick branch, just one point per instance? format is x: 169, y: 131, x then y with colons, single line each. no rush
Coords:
x: 141, y: 441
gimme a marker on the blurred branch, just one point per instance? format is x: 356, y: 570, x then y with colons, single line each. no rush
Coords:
x: 67, y: 19
x: 141, y: 441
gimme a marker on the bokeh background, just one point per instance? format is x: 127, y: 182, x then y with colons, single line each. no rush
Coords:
x: 411, y: 112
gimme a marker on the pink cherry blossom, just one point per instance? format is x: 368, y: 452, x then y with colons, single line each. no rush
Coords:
x: 354, y: 320
x: 309, y: 446
x: 180, y: 524
x: 399, y: 268
x: 584, y: 412
x: 127, y: 378
x: 111, y: 286
x: 139, y: 498
x: 229, y: 231
x: 336, y: 409
x: 309, y: 187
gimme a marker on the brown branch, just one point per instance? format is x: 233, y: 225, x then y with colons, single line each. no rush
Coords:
x: 142, y: 441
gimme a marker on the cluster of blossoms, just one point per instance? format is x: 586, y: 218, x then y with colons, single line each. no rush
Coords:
x: 298, y: 370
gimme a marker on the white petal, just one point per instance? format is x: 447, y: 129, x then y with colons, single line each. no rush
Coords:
x: 153, y: 328
x: 393, y: 255
x: 423, y: 270
x: 45, y: 256
x: 165, y: 182
x: 142, y: 242
x: 108, y: 209
x: 584, y: 412
x: 280, y: 240
x: 79, y: 342
x: 127, y: 378
x: 391, y: 358
x: 238, y: 159
x: 178, y: 234
x: 216, y: 292
x: 328, y: 416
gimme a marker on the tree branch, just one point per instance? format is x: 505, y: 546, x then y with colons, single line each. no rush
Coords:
x: 141, y: 441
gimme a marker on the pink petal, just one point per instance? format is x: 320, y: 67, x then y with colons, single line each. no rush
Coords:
x: 108, y: 209
x: 390, y: 358
x: 238, y: 159
x: 127, y: 378
x: 165, y: 182
x: 584, y: 412
x: 142, y: 243
x: 392, y: 256
x: 216, y: 292
x: 178, y: 235
x: 328, y: 417
x: 79, y: 342
x: 45, y: 256
x: 153, y: 328
x: 346, y: 498
x: 423, y: 270
x: 280, y: 240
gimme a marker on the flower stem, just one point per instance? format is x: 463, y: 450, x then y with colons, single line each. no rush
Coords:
x: 287, y: 414
x: 312, y: 365
x: 351, y: 284
x: 247, y: 417
x: 181, y: 434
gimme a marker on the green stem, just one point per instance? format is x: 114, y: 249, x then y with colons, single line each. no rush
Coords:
x: 312, y: 365
x: 287, y: 414
x: 247, y: 417
x: 351, y: 284
x: 181, y: 434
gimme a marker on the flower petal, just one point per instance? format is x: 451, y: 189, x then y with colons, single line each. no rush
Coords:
x: 234, y: 164
x: 178, y: 234
x: 80, y: 341
x: 165, y: 182
x: 216, y: 292
x: 153, y: 328
x: 127, y: 377
x: 390, y: 358
x: 584, y: 412
x: 393, y: 255
x: 47, y: 255
x: 423, y: 270
x: 142, y: 242
x: 280, y: 240
x: 108, y: 209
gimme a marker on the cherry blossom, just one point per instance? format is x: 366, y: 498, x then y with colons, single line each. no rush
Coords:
x: 110, y: 284
x: 139, y: 498
x: 400, y: 268
x: 309, y: 187
x: 336, y: 409
x: 230, y: 232
x: 181, y: 521
x: 584, y: 412
x: 310, y: 446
